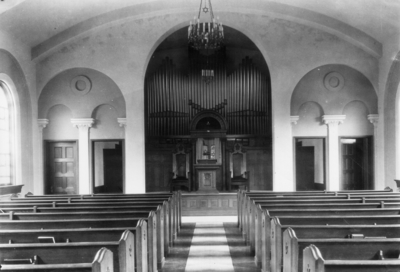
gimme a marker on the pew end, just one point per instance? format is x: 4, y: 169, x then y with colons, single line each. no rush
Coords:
x: 127, y: 252
x: 312, y: 260
x: 103, y: 261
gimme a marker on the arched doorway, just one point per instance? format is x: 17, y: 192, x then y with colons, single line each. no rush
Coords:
x: 233, y: 82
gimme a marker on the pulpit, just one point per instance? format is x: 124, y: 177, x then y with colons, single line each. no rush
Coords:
x: 208, y: 164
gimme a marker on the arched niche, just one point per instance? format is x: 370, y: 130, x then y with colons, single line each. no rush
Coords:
x: 333, y: 86
x: 208, y: 124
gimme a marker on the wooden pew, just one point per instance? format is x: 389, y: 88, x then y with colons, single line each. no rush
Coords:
x: 102, y: 262
x: 252, y: 230
x: 269, y: 234
x: 139, y: 224
x: 314, y: 262
x: 243, y: 196
x: 162, y: 222
x: 336, y: 249
x: 174, y: 203
x: 75, y: 253
x: 81, y: 235
x: 328, y: 232
x: 151, y: 218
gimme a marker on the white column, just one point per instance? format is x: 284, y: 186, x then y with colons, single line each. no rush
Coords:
x: 84, y: 124
x: 122, y: 123
x: 333, y: 169
x: 42, y: 123
x: 378, y: 184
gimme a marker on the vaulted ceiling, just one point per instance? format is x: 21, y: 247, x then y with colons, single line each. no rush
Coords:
x: 41, y: 23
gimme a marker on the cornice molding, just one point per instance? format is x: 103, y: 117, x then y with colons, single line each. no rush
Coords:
x: 42, y: 123
x: 122, y: 122
x: 373, y: 118
x: 294, y: 119
x: 82, y: 122
x: 333, y: 119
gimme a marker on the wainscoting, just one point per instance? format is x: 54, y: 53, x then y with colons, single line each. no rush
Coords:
x: 217, y: 204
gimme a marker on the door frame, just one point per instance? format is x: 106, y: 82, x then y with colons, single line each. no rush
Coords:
x: 371, y: 161
x: 91, y: 161
x: 295, y: 138
x: 46, y: 159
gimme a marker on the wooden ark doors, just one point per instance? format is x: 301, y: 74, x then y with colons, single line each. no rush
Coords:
x: 61, y: 168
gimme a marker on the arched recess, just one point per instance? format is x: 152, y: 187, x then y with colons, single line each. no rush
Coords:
x: 356, y: 123
x: 81, y: 90
x: 176, y: 99
x: 14, y: 78
x: 333, y: 86
x: 339, y: 89
x: 309, y: 123
x: 106, y: 124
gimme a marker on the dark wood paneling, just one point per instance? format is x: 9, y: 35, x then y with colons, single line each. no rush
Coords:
x: 158, y: 169
x: 260, y: 167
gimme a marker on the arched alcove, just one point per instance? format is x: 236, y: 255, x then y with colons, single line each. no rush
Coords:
x: 177, y: 96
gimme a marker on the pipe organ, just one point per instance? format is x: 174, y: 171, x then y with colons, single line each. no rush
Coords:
x: 174, y: 97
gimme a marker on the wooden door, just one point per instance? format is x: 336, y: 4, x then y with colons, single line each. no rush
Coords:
x: 357, y: 172
x: 61, y: 165
x: 305, y: 167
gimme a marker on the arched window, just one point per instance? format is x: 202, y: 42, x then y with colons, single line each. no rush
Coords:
x: 6, y: 135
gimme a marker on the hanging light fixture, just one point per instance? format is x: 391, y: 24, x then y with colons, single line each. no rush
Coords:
x: 205, y: 35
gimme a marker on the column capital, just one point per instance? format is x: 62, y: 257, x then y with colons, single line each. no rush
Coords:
x: 373, y: 118
x: 82, y: 122
x: 333, y: 119
x: 294, y: 119
x: 122, y: 122
x: 42, y: 123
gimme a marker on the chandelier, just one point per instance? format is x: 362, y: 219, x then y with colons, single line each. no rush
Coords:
x: 205, y: 35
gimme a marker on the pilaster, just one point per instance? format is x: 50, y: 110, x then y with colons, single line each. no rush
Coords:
x: 333, y: 169
x: 84, y: 125
x: 374, y: 119
x: 42, y: 124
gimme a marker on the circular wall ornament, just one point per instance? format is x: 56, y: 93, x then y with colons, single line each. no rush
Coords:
x: 81, y: 85
x: 334, y: 81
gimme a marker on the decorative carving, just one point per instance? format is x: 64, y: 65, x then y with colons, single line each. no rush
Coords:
x: 122, y: 122
x: 81, y: 85
x: 294, y: 119
x: 334, y: 81
x: 42, y: 123
x: 333, y: 119
x: 82, y: 122
x: 373, y: 118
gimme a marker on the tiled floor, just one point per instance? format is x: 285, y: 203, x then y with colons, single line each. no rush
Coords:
x: 209, y: 244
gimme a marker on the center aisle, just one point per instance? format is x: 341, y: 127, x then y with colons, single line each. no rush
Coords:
x: 210, y: 244
x: 209, y: 250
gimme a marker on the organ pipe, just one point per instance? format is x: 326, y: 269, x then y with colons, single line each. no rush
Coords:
x: 175, y: 97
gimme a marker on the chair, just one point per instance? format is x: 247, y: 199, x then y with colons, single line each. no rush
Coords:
x: 238, y: 174
x: 180, y: 175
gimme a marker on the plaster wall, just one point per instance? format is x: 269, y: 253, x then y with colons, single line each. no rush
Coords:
x: 122, y: 51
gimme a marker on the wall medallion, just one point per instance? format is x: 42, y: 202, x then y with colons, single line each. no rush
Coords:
x: 81, y: 85
x: 334, y: 81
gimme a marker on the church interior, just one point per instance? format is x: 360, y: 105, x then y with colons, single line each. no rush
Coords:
x: 127, y: 98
